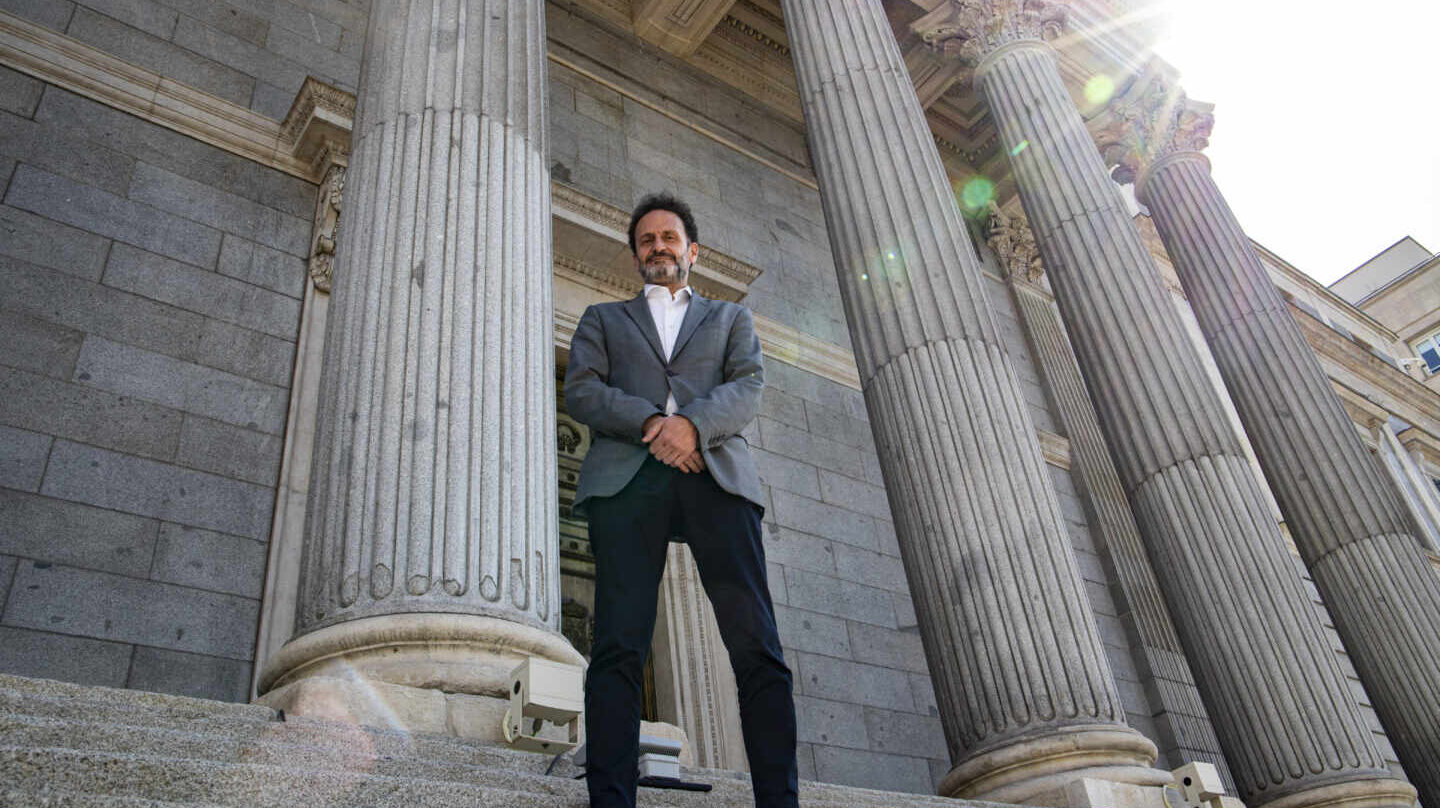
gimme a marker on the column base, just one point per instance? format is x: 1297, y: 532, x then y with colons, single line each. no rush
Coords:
x: 449, y: 653
x: 1379, y: 792
x: 1089, y: 792
x: 422, y: 711
x: 1045, y: 766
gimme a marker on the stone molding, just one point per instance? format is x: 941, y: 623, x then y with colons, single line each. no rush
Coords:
x: 1350, y: 365
x: 467, y: 653
x: 317, y: 127
x: 1417, y: 440
x: 677, y: 26
x: 1017, y: 772
x: 65, y: 62
x: 88, y: 71
x: 736, y: 53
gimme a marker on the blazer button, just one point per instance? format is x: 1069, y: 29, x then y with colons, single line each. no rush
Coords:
x: 669, y: 372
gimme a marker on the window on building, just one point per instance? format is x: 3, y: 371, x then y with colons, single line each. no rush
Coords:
x: 1429, y: 350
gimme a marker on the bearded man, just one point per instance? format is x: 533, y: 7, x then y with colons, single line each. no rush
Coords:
x: 666, y: 382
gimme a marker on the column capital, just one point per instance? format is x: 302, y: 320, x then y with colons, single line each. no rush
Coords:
x: 1152, y: 121
x: 971, y: 30
x: 1009, y: 235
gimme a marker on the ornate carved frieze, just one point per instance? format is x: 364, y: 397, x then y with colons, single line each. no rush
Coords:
x: 970, y: 29
x: 746, y: 58
x: 1009, y: 235
x: 780, y: 48
x: 317, y: 128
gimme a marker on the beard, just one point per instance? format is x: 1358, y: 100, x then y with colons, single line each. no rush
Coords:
x: 664, y: 268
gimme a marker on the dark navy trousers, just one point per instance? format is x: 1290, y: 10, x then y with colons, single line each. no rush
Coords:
x: 630, y: 535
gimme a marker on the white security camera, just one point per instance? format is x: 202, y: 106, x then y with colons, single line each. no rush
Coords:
x: 544, y: 692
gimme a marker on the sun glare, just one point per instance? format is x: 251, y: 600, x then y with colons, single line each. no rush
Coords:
x: 1308, y: 98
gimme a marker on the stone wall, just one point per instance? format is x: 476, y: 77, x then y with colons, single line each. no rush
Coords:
x: 152, y: 296
x: 254, y: 53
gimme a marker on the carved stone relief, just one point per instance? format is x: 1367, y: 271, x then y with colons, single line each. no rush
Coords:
x: 969, y: 29
x: 1009, y: 235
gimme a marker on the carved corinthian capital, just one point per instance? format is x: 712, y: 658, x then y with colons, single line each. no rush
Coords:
x: 1154, y: 119
x: 971, y: 29
x: 1009, y: 235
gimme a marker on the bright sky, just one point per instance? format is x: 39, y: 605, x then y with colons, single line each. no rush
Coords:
x: 1327, y: 122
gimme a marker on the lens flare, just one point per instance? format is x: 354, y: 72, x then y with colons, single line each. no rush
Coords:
x: 864, y: 276
x: 976, y: 194
x: 1019, y: 147
x: 1099, y: 89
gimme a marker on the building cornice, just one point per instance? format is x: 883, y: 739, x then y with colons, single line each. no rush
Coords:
x: 1349, y: 364
x: 65, y: 62
x: 1275, y: 263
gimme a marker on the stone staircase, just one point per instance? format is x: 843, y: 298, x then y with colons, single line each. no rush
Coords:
x: 91, y: 747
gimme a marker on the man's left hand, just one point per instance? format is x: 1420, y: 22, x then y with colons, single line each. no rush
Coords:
x: 672, y: 440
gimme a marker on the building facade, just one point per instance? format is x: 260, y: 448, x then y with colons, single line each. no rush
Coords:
x: 1066, y: 477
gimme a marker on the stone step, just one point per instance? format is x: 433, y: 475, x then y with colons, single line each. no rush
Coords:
x: 169, y: 781
x: 492, y: 767
x: 156, y: 730
x: 72, y: 799
x: 273, y: 751
x: 130, y: 731
x: 241, y: 785
x: 23, y: 686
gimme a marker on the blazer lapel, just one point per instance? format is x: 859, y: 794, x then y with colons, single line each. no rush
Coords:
x: 639, y: 311
x: 695, y: 315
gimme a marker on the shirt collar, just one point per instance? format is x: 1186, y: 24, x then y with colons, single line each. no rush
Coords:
x: 653, y: 290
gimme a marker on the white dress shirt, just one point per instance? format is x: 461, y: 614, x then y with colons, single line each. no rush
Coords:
x: 668, y: 312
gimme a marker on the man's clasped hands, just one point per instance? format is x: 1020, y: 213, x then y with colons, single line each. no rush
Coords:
x: 674, y: 441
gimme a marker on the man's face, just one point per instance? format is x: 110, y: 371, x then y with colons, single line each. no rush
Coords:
x: 663, y: 254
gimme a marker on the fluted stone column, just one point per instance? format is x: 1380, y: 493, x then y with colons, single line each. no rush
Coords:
x: 1346, y: 517
x: 1184, y: 726
x: 1292, y: 731
x: 695, y: 686
x: 1025, y: 694
x: 431, y: 554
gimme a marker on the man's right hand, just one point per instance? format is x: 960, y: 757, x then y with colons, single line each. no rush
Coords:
x: 690, y: 463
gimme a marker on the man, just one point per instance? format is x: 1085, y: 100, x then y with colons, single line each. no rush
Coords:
x: 666, y: 381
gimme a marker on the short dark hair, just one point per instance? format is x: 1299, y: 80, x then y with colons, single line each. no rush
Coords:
x: 655, y: 202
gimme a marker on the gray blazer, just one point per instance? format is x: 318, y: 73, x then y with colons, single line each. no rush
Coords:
x: 618, y: 377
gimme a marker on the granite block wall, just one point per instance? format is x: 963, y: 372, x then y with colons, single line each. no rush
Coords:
x: 254, y: 53
x: 152, y: 302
